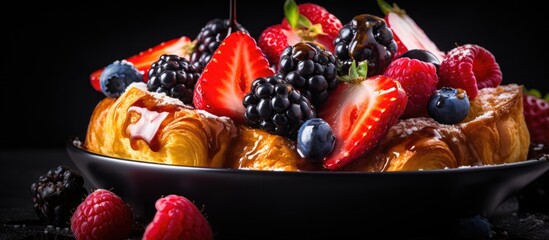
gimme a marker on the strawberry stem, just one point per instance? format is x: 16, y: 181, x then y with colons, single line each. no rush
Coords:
x: 536, y: 93
x: 291, y: 12
x: 356, y: 73
x: 386, y: 8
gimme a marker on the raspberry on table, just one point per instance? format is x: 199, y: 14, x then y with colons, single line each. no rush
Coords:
x: 471, y: 68
x: 419, y: 79
x: 102, y: 215
x: 177, y: 218
x: 57, y: 194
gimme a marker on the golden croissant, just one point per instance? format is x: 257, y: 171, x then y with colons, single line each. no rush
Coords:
x: 151, y: 127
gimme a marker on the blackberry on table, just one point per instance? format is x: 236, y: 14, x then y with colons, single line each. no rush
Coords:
x: 175, y: 76
x: 276, y: 107
x: 366, y: 37
x: 310, y: 69
x: 208, y: 40
x: 57, y: 194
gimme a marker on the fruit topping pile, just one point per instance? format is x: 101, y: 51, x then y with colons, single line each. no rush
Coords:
x: 333, y: 89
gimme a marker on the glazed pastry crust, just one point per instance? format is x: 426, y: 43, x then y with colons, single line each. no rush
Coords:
x: 184, y: 136
x: 494, y: 132
x: 255, y: 149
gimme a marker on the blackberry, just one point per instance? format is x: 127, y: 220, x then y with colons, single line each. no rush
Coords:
x: 309, y: 69
x: 276, y: 107
x: 209, y: 38
x: 175, y: 76
x: 366, y: 37
x: 57, y: 194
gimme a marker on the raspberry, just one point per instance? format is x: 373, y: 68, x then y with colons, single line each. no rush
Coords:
x: 469, y: 67
x: 419, y: 80
x: 177, y: 218
x: 102, y: 215
x: 536, y: 115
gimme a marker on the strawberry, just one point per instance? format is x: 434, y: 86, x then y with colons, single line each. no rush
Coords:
x: 360, y: 115
x: 536, y: 116
x: 406, y: 32
x: 143, y: 61
x: 228, y: 76
x: 303, y: 22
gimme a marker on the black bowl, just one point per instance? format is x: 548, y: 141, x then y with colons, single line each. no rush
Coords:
x: 245, y: 202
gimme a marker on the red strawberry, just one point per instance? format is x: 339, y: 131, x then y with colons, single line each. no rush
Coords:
x: 177, y: 218
x: 274, y: 39
x: 469, y: 67
x: 303, y: 22
x: 360, y: 115
x: 143, y: 61
x: 536, y: 115
x: 102, y: 215
x: 419, y: 80
x: 406, y: 32
x: 229, y: 75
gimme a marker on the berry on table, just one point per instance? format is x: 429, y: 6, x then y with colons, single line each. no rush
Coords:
x: 177, y: 218
x: 175, y: 76
x: 57, y: 194
x: 315, y: 139
x: 471, y: 68
x: 419, y: 79
x: 366, y: 37
x: 309, y: 69
x: 276, y: 107
x: 476, y: 227
x: 102, y: 215
x: 449, y: 105
x: 117, y: 76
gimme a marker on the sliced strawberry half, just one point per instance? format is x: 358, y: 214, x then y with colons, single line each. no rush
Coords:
x: 407, y: 34
x: 228, y: 76
x: 360, y: 115
x: 143, y: 61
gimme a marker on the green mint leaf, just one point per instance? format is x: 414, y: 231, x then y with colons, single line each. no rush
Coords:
x: 291, y: 12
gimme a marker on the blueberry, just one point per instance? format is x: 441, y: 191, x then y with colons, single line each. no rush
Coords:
x: 422, y: 55
x: 315, y: 139
x: 476, y: 227
x: 117, y: 76
x: 448, y: 105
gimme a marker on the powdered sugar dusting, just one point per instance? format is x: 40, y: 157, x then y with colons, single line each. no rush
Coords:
x: 164, y: 99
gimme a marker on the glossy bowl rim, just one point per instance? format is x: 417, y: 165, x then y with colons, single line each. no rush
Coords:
x: 74, y: 143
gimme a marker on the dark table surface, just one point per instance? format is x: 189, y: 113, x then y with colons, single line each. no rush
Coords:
x: 20, y: 168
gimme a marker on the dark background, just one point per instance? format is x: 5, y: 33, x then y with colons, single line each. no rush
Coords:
x: 46, y: 95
